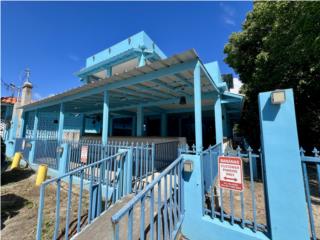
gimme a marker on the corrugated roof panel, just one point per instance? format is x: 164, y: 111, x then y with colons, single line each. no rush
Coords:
x: 186, y: 56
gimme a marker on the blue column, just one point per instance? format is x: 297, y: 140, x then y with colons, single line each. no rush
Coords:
x: 105, y: 118
x: 218, y: 120
x: 142, y: 60
x: 7, y: 112
x: 14, y: 126
x: 34, y: 136
x: 22, y: 121
x: 61, y: 123
x: 134, y: 124
x: 35, y: 125
x: 197, y: 106
x: 224, y: 121
x: 284, y: 190
x: 140, y: 121
x: 109, y: 72
x: 163, y: 124
x: 82, y: 127
x: 110, y: 126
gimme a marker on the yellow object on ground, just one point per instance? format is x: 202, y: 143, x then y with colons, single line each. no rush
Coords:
x: 42, y: 174
x: 16, y: 160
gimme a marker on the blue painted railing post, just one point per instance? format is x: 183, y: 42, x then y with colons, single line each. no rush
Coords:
x: 197, y: 106
x: 34, y: 136
x: 163, y: 124
x: 192, y: 198
x: 127, y: 171
x: 284, y: 190
x: 64, y: 160
x: 218, y: 120
x: 61, y: 123
x: 140, y: 121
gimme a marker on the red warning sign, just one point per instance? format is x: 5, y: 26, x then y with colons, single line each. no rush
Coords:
x: 84, y: 154
x: 230, y: 173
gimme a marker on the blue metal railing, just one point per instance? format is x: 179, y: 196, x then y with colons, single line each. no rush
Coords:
x: 107, y: 180
x: 209, y: 160
x: 23, y: 145
x: 143, y: 158
x: 45, y: 152
x: 221, y: 203
x: 165, y: 154
x: 311, y: 175
x: 165, y: 213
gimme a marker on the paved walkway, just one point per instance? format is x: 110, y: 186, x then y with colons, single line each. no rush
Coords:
x: 102, y: 227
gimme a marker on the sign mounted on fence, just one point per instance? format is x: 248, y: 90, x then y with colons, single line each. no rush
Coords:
x: 84, y: 154
x: 230, y: 173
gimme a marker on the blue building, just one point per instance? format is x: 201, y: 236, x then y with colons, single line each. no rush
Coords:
x: 114, y: 135
x: 132, y: 89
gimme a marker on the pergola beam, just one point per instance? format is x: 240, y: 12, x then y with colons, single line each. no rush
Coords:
x: 164, y: 102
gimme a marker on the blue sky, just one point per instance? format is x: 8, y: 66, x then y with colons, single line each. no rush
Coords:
x: 53, y: 39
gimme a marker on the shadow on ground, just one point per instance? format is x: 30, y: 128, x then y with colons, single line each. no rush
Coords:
x: 15, y: 175
x: 10, y: 206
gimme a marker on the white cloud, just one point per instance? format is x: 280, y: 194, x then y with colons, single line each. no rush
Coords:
x: 229, y: 21
x: 236, y: 85
x: 228, y: 14
x: 227, y: 9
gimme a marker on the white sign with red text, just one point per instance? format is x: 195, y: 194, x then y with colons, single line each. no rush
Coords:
x: 230, y: 173
x: 84, y: 154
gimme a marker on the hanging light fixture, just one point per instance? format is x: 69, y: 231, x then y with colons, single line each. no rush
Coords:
x: 183, y: 100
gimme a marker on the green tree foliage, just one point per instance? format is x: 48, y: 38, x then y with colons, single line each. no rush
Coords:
x: 278, y: 48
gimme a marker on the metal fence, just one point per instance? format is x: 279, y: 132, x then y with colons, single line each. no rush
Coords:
x: 143, y: 158
x: 45, y: 152
x: 246, y: 208
x: 209, y: 160
x: 159, y: 207
x: 311, y: 175
x: 165, y: 154
x: 77, y: 206
x: 23, y: 145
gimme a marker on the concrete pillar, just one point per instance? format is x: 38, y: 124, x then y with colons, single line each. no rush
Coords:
x: 140, y: 121
x: 61, y: 122
x: 218, y: 120
x: 164, y: 124
x: 22, y: 122
x: 197, y: 107
x: 284, y: 190
x: 105, y: 117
